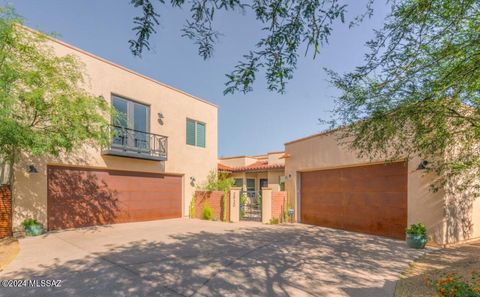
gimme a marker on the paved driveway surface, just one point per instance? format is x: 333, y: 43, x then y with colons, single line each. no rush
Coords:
x: 184, y: 257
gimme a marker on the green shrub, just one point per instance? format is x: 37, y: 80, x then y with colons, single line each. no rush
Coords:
x: 417, y: 229
x: 207, y: 212
x: 218, y: 181
x: 192, y: 208
x: 243, y: 201
x: 453, y: 285
x: 274, y: 221
x: 30, y: 222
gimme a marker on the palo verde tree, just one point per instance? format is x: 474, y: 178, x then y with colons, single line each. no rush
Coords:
x: 291, y: 27
x: 43, y: 108
x: 418, y: 94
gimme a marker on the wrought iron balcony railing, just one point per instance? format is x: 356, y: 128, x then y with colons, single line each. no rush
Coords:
x: 137, y: 144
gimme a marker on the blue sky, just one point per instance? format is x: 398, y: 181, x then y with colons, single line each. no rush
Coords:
x: 255, y: 123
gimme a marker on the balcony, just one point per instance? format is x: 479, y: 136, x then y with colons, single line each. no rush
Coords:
x: 137, y: 144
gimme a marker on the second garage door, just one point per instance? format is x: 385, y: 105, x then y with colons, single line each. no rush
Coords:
x: 79, y: 197
x: 370, y: 199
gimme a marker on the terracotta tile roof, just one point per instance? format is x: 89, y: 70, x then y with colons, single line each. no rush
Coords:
x: 259, y: 165
x: 222, y: 167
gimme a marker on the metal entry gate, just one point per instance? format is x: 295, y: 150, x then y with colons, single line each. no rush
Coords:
x: 251, y: 206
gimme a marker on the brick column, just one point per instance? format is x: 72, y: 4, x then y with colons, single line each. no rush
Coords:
x: 266, y: 205
x: 234, y: 204
x: 5, y: 211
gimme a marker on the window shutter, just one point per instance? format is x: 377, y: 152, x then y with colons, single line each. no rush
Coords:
x: 190, y: 132
x: 200, y: 134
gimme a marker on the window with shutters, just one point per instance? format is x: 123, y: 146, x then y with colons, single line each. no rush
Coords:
x: 196, y: 133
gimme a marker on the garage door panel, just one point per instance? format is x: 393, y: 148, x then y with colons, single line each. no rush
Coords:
x: 329, y: 221
x: 325, y: 184
x: 328, y: 198
x: 376, y: 184
x: 370, y: 199
x: 79, y: 197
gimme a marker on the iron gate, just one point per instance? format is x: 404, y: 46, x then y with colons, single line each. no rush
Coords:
x: 251, y: 206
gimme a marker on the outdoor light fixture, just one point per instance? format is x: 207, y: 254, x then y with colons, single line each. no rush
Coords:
x: 192, y: 181
x: 422, y: 165
x: 160, y: 118
x: 31, y: 169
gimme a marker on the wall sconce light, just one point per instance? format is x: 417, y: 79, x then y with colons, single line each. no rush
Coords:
x: 192, y: 181
x: 160, y: 118
x: 422, y: 165
x: 31, y: 169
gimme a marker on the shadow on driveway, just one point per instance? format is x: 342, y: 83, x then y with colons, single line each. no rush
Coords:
x: 292, y: 260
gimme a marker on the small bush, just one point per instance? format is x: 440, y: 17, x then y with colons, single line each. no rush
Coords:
x: 207, y: 212
x: 453, y: 285
x: 243, y: 202
x: 192, y: 208
x: 30, y: 222
x: 417, y: 229
x: 274, y: 221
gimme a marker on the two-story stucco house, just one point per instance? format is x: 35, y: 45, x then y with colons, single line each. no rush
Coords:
x: 166, y: 143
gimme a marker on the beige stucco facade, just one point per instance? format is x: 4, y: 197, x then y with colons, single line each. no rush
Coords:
x: 324, y: 151
x: 104, y: 78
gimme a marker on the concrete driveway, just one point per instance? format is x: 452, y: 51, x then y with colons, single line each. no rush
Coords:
x: 185, y: 257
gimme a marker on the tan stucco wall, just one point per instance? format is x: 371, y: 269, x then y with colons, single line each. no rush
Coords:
x: 323, y: 151
x: 275, y: 158
x: 274, y: 179
x: 238, y: 161
x: 104, y: 78
x: 476, y: 218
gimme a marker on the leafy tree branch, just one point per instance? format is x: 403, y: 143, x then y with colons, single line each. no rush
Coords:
x: 290, y: 27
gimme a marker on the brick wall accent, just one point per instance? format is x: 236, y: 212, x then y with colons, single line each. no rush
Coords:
x: 279, y: 201
x: 215, y: 200
x: 5, y: 211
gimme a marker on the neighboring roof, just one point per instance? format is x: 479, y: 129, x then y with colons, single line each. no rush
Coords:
x: 233, y: 157
x: 117, y: 65
x: 314, y: 135
x: 259, y: 165
x: 222, y: 167
x: 253, y: 157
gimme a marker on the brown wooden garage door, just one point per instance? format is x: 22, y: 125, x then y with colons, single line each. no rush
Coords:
x: 370, y: 199
x: 79, y: 197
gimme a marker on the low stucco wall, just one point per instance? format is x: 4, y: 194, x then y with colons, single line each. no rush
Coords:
x: 216, y: 201
x: 279, y: 204
x: 5, y: 211
x: 323, y: 151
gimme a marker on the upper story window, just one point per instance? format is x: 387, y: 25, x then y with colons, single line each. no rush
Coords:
x: 195, y: 133
x: 131, y: 116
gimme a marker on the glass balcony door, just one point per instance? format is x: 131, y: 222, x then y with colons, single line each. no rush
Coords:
x: 131, y: 124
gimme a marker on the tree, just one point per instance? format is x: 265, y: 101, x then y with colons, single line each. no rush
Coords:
x: 418, y: 94
x: 43, y: 109
x: 290, y: 26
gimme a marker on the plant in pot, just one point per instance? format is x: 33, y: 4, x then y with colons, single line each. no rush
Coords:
x: 32, y: 227
x: 417, y: 236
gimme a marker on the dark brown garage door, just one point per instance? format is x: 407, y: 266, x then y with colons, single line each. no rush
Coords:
x: 370, y: 199
x: 79, y: 197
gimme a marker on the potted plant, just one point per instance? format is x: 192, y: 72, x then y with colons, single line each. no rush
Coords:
x: 417, y: 236
x: 32, y: 227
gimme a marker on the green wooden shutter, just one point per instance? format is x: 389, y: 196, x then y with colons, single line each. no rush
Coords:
x: 190, y: 132
x: 200, y: 134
